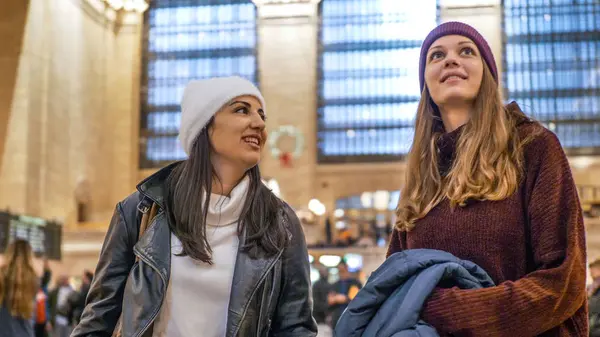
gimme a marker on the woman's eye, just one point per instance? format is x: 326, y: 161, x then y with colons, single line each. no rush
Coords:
x: 436, y: 55
x: 243, y: 110
x: 468, y: 51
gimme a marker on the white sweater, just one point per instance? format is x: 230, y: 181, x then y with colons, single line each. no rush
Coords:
x: 197, y: 297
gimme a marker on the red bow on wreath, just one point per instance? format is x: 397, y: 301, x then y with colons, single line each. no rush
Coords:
x: 285, y: 159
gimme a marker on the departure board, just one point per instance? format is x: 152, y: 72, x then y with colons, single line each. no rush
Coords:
x: 45, y: 237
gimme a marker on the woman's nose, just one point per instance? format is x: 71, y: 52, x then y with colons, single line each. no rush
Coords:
x: 451, y: 60
x: 257, y: 122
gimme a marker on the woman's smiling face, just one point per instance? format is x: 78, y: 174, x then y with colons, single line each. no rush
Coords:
x: 453, y: 70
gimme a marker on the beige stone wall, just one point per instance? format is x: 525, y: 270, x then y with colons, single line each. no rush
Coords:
x: 12, y: 26
x: 586, y: 170
x: 287, y: 60
x: 73, y: 114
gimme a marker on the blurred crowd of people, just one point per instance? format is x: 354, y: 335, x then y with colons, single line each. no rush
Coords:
x: 355, y: 234
x: 30, y: 306
x: 331, y: 299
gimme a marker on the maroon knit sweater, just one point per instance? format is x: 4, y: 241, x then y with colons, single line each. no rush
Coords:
x: 532, y: 244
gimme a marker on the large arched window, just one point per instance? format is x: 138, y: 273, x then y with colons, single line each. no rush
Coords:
x: 187, y: 40
x: 552, y: 66
x: 368, y: 77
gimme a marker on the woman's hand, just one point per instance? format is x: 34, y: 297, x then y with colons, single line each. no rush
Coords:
x: 334, y: 298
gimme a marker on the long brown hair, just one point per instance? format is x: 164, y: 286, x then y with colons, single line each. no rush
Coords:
x: 18, y: 280
x: 488, y: 162
x: 187, y: 209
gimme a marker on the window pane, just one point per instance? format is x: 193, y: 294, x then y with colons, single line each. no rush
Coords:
x: 368, y: 77
x: 189, y: 40
x: 164, y: 149
x: 552, y: 66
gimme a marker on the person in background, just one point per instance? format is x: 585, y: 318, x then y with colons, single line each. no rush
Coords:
x: 61, y: 307
x: 594, y: 299
x: 78, y: 298
x: 42, y: 321
x: 19, y: 285
x: 321, y: 289
x: 489, y: 185
x: 367, y: 237
x: 342, y: 292
x: 223, y: 256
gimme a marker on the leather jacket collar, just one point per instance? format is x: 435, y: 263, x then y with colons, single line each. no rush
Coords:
x: 153, y: 186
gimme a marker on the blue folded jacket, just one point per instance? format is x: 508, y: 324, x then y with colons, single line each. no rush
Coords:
x: 389, y: 305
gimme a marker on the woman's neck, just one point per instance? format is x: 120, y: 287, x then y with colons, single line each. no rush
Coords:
x: 223, y: 187
x: 454, y: 117
x: 226, y: 178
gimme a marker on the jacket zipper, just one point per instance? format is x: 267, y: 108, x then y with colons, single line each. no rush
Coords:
x: 256, y: 288
x: 149, y: 263
x: 260, y: 315
x: 261, y: 280
x: 268, y: 312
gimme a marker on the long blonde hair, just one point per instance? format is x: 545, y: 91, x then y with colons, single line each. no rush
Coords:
x: 487, y: 164
x: 18, y: 280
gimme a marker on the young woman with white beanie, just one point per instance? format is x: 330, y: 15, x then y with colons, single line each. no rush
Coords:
x: 223, y: 256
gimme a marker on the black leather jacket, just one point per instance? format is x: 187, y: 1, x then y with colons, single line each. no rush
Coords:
x: 269, y: 296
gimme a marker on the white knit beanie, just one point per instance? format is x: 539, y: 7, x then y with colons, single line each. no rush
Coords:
x: 202, y: 99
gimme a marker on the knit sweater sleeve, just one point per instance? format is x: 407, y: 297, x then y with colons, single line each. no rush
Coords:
x: 555, y: 290
x: 397, y: 242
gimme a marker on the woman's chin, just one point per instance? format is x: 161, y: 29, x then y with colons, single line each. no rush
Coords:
x: 250, y: 160
x: 456, y: 97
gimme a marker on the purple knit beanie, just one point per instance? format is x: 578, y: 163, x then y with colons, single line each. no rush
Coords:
x: 457, y: 28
